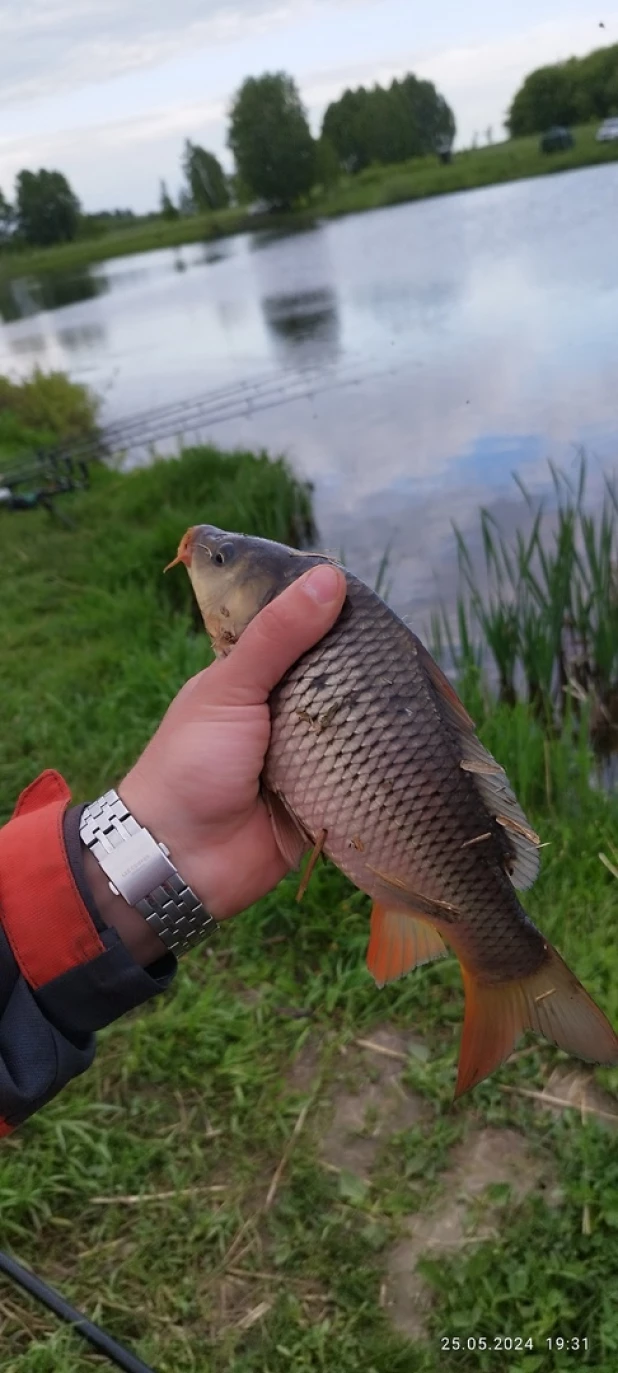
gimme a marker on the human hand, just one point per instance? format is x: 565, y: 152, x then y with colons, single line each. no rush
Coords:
x: 196, y: 785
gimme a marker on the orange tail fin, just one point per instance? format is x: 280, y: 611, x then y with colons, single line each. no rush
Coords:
x: 552, y: 1002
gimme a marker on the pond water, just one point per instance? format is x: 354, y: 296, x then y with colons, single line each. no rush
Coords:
x: 476, y: 334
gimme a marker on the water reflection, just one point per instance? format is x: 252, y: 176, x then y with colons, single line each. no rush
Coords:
x: 218, y: 254
x: 266, y: 238
x: 232, y: 314
x: 28, y: 344
x: 405, y: 306
x: 22, y: 297
x: 304, y: 326
x: 82, y: 338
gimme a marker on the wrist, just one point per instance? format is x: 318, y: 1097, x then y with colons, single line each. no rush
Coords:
x: 158, y: 814
x: 137, y: 936
x: 140, y: 889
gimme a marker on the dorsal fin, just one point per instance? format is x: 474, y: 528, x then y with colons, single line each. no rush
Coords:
x: 490, y: 779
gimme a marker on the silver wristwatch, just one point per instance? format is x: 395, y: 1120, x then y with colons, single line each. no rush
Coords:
x: 139, y: 869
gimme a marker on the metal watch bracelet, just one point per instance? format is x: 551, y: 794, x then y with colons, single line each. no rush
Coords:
x: 139, y: 869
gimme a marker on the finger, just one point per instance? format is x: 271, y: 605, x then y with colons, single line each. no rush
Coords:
x: 284, y: 630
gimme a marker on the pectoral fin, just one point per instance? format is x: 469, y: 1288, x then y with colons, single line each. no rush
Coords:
x: 392, y: 891
x: 292, y: 839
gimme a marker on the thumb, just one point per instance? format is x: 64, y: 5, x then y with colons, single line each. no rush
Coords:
x: 280, y: 634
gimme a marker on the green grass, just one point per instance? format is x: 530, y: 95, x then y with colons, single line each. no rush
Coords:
x: 194, y: 1091
x: 509, y: 161
x: 144, y: 237
x: 372, y: 189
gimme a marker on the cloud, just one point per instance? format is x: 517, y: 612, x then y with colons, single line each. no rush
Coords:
x: 118, y: 162
x: 479, y: 80
x: 115, y: 139
x: 46, y: 48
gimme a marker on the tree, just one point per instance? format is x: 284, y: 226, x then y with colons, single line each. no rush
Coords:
x: 7, y: 219
x: 186, y: 203
x: 46, y: 210
x: 346, y: 125
x: 271, y: 140
x: 408, y: 119
x: 327, y: 166
x: 168, y: 208
x: 206, y: 178
x: 577, y: 91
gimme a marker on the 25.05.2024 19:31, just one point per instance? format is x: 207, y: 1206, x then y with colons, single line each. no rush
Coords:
x: 512, y: 1343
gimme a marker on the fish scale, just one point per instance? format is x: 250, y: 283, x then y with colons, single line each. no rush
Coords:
x: 373, y: 761
x: 373, y: 756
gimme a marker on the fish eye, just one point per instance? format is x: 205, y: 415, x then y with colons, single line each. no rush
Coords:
x: 224, y: 554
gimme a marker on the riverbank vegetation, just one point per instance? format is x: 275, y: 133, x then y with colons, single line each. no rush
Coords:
x: 39, y: 413
x: 566, y: 93
x: 265, y: 1170
x: 374, y: 188
x: 542, y: 613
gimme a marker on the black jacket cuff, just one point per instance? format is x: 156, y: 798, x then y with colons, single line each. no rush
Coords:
x: 94, y: 994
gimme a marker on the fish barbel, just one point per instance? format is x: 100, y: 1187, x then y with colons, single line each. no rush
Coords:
x: 374, y: 760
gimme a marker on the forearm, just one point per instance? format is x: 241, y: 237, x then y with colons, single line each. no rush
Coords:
x: 72, y: 957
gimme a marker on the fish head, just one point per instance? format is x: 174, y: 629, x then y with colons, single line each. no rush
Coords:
x: 234, y: 576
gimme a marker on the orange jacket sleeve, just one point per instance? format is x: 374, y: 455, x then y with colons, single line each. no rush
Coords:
x: 63, y: 973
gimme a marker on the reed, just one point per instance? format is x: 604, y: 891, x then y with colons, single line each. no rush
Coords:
x: 539, y: 615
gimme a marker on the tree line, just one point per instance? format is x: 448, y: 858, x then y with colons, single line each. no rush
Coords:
x: 573, y: 92
x: 277, y: 159
x: 45, y: 210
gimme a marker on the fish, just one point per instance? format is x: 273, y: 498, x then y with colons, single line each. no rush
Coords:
x: 374, y: 762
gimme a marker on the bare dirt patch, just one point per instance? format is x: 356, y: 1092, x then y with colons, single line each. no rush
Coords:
x: 488, y: 1157
x: 304, y: 1068
x: 371, y: 1104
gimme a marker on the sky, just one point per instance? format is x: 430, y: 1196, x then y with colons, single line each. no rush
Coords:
x: 106, y: 91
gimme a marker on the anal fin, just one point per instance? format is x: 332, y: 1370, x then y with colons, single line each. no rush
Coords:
x: 400, y: 942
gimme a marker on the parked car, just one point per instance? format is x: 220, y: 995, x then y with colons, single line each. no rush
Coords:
x: 556, y: 140
x: 608, y: 131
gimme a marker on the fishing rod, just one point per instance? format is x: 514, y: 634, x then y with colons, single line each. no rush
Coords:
x: 267, y: 400
x: 67, y: 476
x: 145, y: 426
x: 95, y: 1336
x: 192, y: 415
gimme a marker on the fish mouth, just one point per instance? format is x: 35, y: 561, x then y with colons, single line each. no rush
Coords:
x: 185, y: 550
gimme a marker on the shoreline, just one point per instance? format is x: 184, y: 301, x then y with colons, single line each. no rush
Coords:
x: 374, y: 188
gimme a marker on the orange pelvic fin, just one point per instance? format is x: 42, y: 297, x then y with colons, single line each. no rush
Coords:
x: 552, y: 1002
x: 398, y: 943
